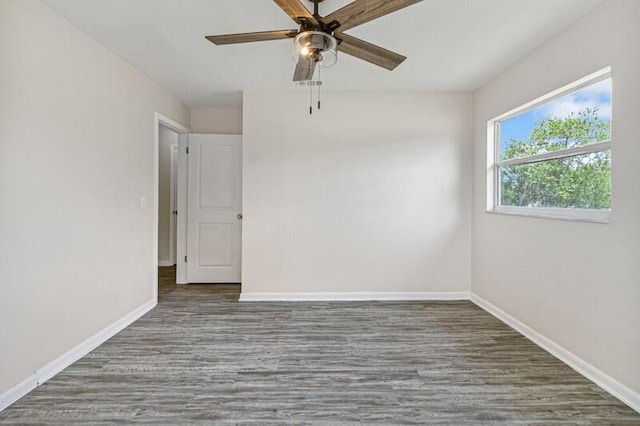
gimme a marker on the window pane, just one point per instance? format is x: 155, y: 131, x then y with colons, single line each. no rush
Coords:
x: 582, y: 181
x: 578, y: 118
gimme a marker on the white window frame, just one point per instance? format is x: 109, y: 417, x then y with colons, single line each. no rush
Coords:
x: 494, y: 163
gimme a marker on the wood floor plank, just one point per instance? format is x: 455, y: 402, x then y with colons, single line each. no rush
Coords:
x: 201, y: 357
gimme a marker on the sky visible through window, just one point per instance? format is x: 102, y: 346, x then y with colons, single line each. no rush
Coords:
x: 596, y: 95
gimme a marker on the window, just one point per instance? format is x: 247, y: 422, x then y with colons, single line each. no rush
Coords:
x: 552, y: 156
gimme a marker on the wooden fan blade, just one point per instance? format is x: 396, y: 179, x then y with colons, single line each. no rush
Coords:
x: 361, y: 11
x: 369, y: 52
x: 296, y: 11
x: 249, y: 37
x: 304, y: 69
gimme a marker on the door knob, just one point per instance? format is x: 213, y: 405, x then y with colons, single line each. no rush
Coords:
x: 239, y: 216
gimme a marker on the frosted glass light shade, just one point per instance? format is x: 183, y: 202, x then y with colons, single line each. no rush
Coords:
x: 315, y: 46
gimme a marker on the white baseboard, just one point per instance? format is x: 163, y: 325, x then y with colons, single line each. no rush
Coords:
x: 355, y: 296
x: 165, y: 263
x: 18, y: 391
x: 52, y: 368
x: 606, y: 382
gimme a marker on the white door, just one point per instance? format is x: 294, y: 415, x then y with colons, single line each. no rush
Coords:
x: 214, y: 228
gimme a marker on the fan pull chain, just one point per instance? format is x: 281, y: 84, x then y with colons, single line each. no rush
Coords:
x: 317, y: 82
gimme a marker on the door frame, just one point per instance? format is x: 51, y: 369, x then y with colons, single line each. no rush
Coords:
x: 173, y: 202
x: 183, y: 211
x: 158, y: 120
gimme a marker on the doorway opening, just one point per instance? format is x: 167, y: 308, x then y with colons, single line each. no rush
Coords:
x: 167, y: 208
x: 167, y: 135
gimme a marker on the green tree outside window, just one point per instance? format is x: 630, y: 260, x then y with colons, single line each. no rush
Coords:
x: 581, y: 181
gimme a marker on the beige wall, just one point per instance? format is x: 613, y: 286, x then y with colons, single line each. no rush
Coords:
x: 167, y: 137
x: 576, y: 283
x: 227, y: 121
x: 76, y: 155
x: 375, y: 198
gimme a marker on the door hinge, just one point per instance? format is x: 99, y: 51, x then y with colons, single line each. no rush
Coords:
x: 185, y: 259
x: 187, y: 150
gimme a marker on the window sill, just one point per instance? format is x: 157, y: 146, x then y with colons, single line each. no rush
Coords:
x: 575, y: 215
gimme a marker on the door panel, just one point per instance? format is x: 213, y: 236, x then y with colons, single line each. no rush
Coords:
x: 214, y: 230
x: 215, y: 245
x: 216, y: 181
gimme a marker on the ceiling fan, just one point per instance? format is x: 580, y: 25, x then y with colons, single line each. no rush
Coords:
x: 317, y: 38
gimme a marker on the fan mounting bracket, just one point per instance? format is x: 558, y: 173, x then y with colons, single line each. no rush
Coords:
x: 306, y: 25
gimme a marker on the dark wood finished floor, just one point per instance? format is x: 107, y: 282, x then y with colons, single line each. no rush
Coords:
x: 201, y: 357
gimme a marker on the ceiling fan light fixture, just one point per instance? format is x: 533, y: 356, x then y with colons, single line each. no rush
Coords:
x: 315, y: 46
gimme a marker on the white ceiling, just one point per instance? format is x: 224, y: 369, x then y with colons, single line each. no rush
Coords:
x: 451, y: 45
